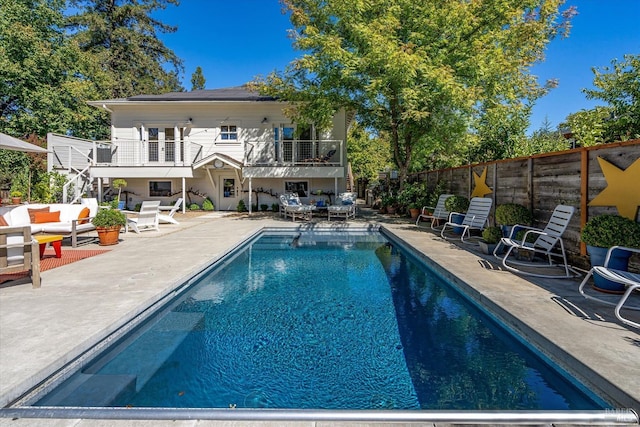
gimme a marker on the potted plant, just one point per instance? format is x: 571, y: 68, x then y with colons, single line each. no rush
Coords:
x: 510, y: 214
x: 389, y: 202
x: 119, y: 184
x: 459, y: 205
x: 108, y: 223
x: 16, y: 197
x: 412, y: 197
x: 490, y: 238
x: 602, y: 232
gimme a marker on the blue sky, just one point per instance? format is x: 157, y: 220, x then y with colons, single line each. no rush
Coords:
x: 233, y: 41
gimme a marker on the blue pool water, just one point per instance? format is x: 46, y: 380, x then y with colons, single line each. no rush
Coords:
x: 321, y: 322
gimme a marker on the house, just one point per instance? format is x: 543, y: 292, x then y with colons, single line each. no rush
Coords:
x: 226, y: 144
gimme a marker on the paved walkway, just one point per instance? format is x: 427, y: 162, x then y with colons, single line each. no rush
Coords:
x: 42, y: 329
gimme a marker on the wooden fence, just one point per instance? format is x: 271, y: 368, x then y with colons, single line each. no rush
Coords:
x: 541, y: 182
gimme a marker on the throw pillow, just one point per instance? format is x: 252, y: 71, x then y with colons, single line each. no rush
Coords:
x: 42, y: 217
x: 347, y: 202
x: 84, y: 213
x: 3, y: 222
x: 32, y: 213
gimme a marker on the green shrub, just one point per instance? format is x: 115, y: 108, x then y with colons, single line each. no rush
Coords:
x: 264, y: 207
x: 275, y: 207
x: 492, y: 234
x: 194, y: 207
x: 458, y: 204
x: 242, y: 207
x: 606, y: 231
x: 109, y: 218
x: 207, y: 205
x: 513, y: 213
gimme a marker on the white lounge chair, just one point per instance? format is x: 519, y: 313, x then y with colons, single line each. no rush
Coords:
x: 19, y: 252
x: 439, y: 213
x: 167, y: 218
x: 345, y: 207
x: 476, y: 218
x: 544, y: 244
x: 147, y: 218
x: 630, y: 280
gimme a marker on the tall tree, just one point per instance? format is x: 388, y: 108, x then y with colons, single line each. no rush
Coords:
x: 197, y: 79
x: 46, y: 79
x: 122, y: 35
x: 412, y: 69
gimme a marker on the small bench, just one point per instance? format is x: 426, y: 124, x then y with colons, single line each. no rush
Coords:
x: 54, y: 239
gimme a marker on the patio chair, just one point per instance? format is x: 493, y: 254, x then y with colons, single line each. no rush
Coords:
x: 440, y: 213
x: 545, y: 244
x: 323, y: 159
x: 630, y: 280
x: 344, y: 207
x: 288, y: 199
x: 19, y: 252
x: 476, y: 218
x: 147, y: 218
x: 168, y: 217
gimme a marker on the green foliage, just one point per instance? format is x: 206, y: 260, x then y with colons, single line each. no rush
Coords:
x: 619, y: 86
x: 16, y: 193
x: 109, y: 218
x: 275, y: 207
x: 513, y: 213
x: 368, y: 154
x: 207, y: 205
x: 456, y: 203
x: 588, y: 126
x: 413, y: 195
x: 197, y: 79
x: 264, y: 207
x: 194, y: 207
x: 242, y: 207
x: 414, y: 71
x: 114, y: 33
x: 606, y: 231
x: 492, y: 235
x: 543, y: 140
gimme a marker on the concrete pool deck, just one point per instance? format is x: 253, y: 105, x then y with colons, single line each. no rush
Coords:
x: 41, y: 329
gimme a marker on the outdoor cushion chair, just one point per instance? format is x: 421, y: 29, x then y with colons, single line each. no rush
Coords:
x: 630, y: 280
x: 546, y: 244
x: 288, y: 199
x: 147, y: 218
x: 323, y: 159
x: 345, y: 207
x: 168, y: 217
x: 19, y: 252
x: 439, y: 213
x: 476, y: 218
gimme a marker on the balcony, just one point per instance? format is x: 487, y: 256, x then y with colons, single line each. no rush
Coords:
x: 294, y: 153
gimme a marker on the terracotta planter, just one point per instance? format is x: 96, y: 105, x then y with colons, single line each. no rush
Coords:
x: 391, y: 210
x: 16, y: 200
x: 108, y: 235
x: 414, y: 212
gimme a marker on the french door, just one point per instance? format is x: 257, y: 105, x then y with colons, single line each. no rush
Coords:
x: 161, y: 147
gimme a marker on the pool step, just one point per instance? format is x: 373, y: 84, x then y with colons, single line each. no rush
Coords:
x: 92, y: 390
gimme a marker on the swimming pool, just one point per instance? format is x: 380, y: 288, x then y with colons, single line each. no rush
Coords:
x: 279, y: 325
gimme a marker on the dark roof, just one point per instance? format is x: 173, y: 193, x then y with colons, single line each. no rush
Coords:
x: 238, y: 93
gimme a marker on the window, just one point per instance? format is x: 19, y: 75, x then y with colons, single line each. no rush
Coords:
x: 300, y: 187
x: 229, y: 133
x: 160, y: 188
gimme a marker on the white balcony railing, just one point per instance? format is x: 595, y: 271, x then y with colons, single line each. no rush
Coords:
x: 294, y: 153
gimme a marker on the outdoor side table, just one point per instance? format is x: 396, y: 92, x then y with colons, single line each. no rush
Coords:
x: 54, y: 239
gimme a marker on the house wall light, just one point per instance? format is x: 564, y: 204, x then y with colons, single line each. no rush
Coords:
x: 265, y: 120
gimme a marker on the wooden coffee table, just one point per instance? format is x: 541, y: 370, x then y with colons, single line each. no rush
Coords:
x: 54, y: 239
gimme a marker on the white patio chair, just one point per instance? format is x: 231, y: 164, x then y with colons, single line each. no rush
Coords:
x: 168, y: 217
x: 476, y: 218
x: 440, y: 212
x: 147, y: 218
x: 630, y: 280
x: 544, y: 244
x: 286, y: 200
x: 19, y: 252
x: 344, y: 207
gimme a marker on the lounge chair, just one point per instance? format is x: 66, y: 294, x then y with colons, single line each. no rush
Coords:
x: 288, y: 199
x: 440, y: 213
x: 344, y: 207
x: 168, y: 217
x: 19, y: 252
x: 323, y: 159
x: 630, y: 280
x: 476, y: 218
x: 290, y: 205
x: 544, y: 244
x: 147, y: 218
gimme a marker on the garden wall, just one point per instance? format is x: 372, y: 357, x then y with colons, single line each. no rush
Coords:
x: 541, y: 182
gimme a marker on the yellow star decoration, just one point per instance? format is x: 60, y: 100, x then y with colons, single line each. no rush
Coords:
x: 621, y: 191
x: 481, y: 189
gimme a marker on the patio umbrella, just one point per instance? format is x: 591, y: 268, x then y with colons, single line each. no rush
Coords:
x: 10, y: 143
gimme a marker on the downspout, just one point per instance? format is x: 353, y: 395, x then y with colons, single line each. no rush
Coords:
x: 250, y: 196
x: 184, y: 196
